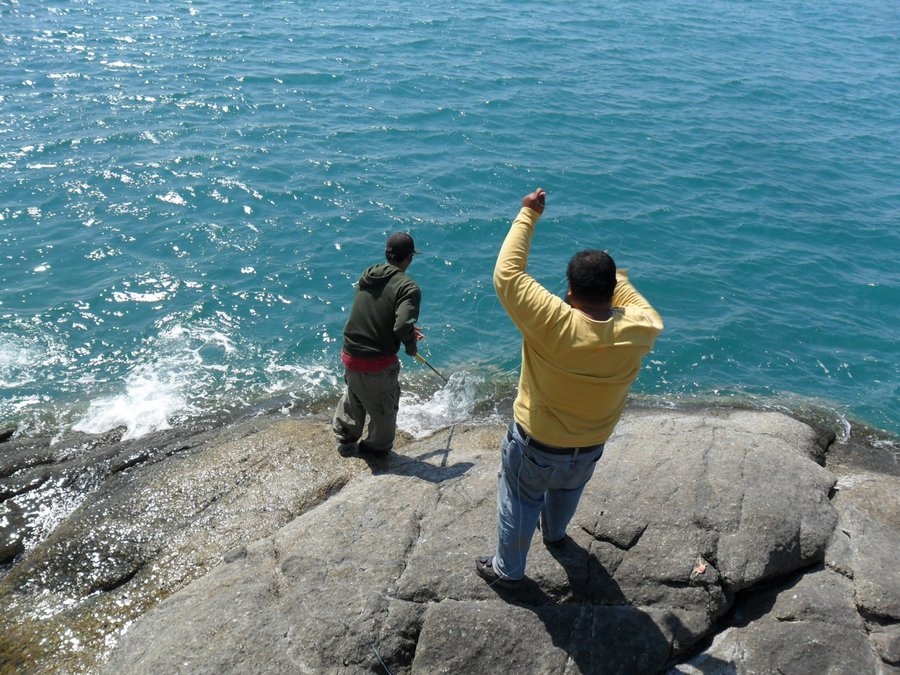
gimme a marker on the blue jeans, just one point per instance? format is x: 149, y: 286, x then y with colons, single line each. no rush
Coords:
x: 534, y: 483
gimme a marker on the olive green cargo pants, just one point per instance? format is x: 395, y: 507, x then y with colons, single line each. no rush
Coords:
x: 375, y: 394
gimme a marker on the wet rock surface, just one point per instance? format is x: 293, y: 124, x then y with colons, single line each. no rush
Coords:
x: 707, y: 542
x: 113, y: 540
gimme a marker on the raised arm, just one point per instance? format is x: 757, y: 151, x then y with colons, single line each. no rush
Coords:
x: 528, y: 304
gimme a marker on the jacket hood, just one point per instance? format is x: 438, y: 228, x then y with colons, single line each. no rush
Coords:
x: 378, y: 275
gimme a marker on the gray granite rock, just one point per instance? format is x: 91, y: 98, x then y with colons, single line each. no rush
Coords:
x: 701, y: 507
x: 12, y: 531
x: 886, y: 640
x: 869, y: 507
x: 809, y: 626
x: 16, y: 456
x: 255, y: 547
x: 138, y: 534
x: 684, y: 511
x: 841, y: 618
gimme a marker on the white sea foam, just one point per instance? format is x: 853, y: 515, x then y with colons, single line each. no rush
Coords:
x: 15, y: 362
x: 232, y: 183
x: 122, y: 64
x: 172, y: 384
x: 200, y: 336
x: 311, y: 381
x: 131, y: 296
x: 22, y: 356
x: 172, y: 197
x: 150, y: 399
x: 451, y: 404
x: 158, y: 288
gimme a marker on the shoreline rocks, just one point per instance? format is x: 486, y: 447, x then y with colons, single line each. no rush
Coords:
x: 707, y: 539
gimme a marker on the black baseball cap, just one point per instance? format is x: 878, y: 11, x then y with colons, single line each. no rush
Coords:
x: 399, y: 246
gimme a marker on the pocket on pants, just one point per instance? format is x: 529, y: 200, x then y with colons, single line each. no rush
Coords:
x: 390, y: 401
x: 523, y: 470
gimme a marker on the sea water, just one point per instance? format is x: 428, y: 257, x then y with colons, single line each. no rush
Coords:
x: 190, y: 189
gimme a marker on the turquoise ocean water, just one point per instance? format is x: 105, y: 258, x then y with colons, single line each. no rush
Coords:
x: 188, y: 190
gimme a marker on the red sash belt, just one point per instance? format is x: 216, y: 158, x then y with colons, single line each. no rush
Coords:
x: 367, y: 364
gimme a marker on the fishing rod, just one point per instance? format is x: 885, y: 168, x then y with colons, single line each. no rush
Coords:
x: 422, y: 359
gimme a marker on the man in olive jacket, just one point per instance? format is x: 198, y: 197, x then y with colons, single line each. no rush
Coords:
x: 384, y: 314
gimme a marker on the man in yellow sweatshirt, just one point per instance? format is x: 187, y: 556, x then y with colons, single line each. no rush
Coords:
x: 579, y: 358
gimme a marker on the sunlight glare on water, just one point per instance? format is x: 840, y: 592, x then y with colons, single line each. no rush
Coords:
x: 232, y: 172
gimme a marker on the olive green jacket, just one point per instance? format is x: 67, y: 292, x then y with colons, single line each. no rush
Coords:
x: 384, y: 313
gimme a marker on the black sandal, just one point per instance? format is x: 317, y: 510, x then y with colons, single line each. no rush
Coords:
x: 484, y: 565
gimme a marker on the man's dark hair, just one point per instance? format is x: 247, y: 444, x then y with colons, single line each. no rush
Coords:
x: 592, y: 276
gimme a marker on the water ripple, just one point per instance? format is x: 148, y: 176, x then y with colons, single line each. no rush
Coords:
x: 741, y: 159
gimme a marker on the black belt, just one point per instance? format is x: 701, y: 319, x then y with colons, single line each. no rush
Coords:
x: 551, y: 449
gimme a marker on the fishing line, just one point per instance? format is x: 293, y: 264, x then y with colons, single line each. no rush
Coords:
x: 371, y: 644
x: 491, y: 297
